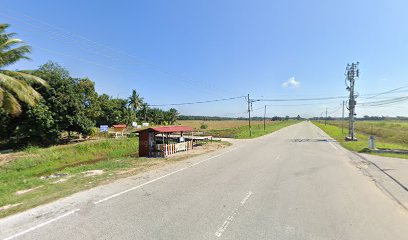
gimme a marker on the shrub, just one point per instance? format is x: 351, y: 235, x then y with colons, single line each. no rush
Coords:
x: 203, y: 126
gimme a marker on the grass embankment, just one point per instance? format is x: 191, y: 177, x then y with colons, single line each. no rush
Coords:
x: 79, y: 166
x: 235, y: 128
x: 386, y: 136
x: 24, y: 170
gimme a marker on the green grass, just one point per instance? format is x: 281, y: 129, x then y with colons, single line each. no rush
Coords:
x: 242, y: 132
x: 389, y: 131
x: 116, y: 157
x: 333, y: 130
x: 25, y: 172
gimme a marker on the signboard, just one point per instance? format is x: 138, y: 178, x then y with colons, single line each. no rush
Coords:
x: 104, y: 128
x: 181, y: 147
x: 134, y: 124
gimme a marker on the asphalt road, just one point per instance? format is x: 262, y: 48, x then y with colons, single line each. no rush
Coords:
x: 291, y: 184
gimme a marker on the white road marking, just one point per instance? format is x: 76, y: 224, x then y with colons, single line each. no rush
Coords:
x: 231, y: 217
x: 157, y: 179
x: 41, y: 225
x: 113, y: 196
x: 331, y: 144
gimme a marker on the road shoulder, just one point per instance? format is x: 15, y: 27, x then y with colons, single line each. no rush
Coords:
x: 86, y: 199
x: 390, y: 175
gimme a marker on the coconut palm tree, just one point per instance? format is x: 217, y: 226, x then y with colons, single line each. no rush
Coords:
x: 135, y: 101
x: 15, y: 86
x: 144, y: 107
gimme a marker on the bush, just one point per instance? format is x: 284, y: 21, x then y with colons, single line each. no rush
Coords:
x: 203, y: 126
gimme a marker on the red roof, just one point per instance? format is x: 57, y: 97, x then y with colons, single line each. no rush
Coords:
x: 169, y: 129
x: 119, y: 126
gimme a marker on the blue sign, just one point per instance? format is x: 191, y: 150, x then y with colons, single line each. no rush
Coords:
x: 104, y: 128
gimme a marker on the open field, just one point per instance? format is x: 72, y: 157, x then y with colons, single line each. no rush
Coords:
x: 384, y: 131
x: 390, y: 135
x: 237, y: 128
x: 39, y: 175
x: 217, y: 124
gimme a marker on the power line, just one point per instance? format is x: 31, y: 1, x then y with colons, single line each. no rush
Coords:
x: 79, y: 59
x: 384, y: 102
x: 61, y: 37
x: 298, y: 99
x: 60, y: 32
x: 387, y: 92
x: 198, y: 102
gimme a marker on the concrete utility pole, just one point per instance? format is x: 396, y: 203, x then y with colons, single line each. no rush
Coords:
x: 352, y: 73
x: 342, y: 120
x: 265, y: 119
x: 249, y: 115
x: 325, y: 120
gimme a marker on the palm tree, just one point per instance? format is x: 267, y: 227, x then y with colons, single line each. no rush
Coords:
x: 135, y: 101
x: 15, y: 86
x: 144, y: 107
x: 171, y: 115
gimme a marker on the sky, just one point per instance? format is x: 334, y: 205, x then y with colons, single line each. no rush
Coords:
x: 187, y: 51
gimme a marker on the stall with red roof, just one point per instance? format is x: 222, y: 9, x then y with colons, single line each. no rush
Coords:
x: 164, y: 141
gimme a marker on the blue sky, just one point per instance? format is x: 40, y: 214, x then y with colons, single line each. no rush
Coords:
x: 183, y: 51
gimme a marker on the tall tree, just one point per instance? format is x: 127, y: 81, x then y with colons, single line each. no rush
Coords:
x: 144, y: 107
x: 171, y: 115
x: 69, y: 99
x: 15, y: 86
x: 135, y: 101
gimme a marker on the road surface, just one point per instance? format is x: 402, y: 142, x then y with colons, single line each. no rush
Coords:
x: 291, y: 184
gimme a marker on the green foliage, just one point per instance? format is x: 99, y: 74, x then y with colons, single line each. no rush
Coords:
x: 38, y: 107
x: 16, y: 87
x: 112, y: 111
x: 25, y: 171
x: 68, y: 98
x: 36, y: 125
x: 135, y: 101
x: 203, y: 125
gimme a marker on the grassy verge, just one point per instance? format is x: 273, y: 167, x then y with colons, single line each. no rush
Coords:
x: 362, y: 143
x: 242, y: 132
x: 81, y: 166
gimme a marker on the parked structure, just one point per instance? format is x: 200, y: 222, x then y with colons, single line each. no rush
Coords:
x: 157, y: 142
x: 119, y: 129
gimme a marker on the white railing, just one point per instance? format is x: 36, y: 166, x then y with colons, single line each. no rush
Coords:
x: 163, y: 150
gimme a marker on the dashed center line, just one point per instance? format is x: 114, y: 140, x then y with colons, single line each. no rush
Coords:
x: 157, y: 179
x: 231, y: 217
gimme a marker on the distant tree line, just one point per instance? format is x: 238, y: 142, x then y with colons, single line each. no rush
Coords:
x: 365, y: 118
x: 215, y: 118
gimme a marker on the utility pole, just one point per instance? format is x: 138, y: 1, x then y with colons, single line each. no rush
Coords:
x: 249, y: 115
x: 342, y: 120
x: 352, y: 73
x: 325, y: 120
x: 265, y: 119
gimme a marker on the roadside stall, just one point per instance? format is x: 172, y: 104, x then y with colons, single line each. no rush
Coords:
x: 164, y: 141
x: 119, y: 129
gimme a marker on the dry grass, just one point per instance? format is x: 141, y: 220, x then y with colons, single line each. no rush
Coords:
x: 217, y: 124
x: 386, y: 131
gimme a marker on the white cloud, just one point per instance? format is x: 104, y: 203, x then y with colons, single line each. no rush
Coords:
x: 291, y: 82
